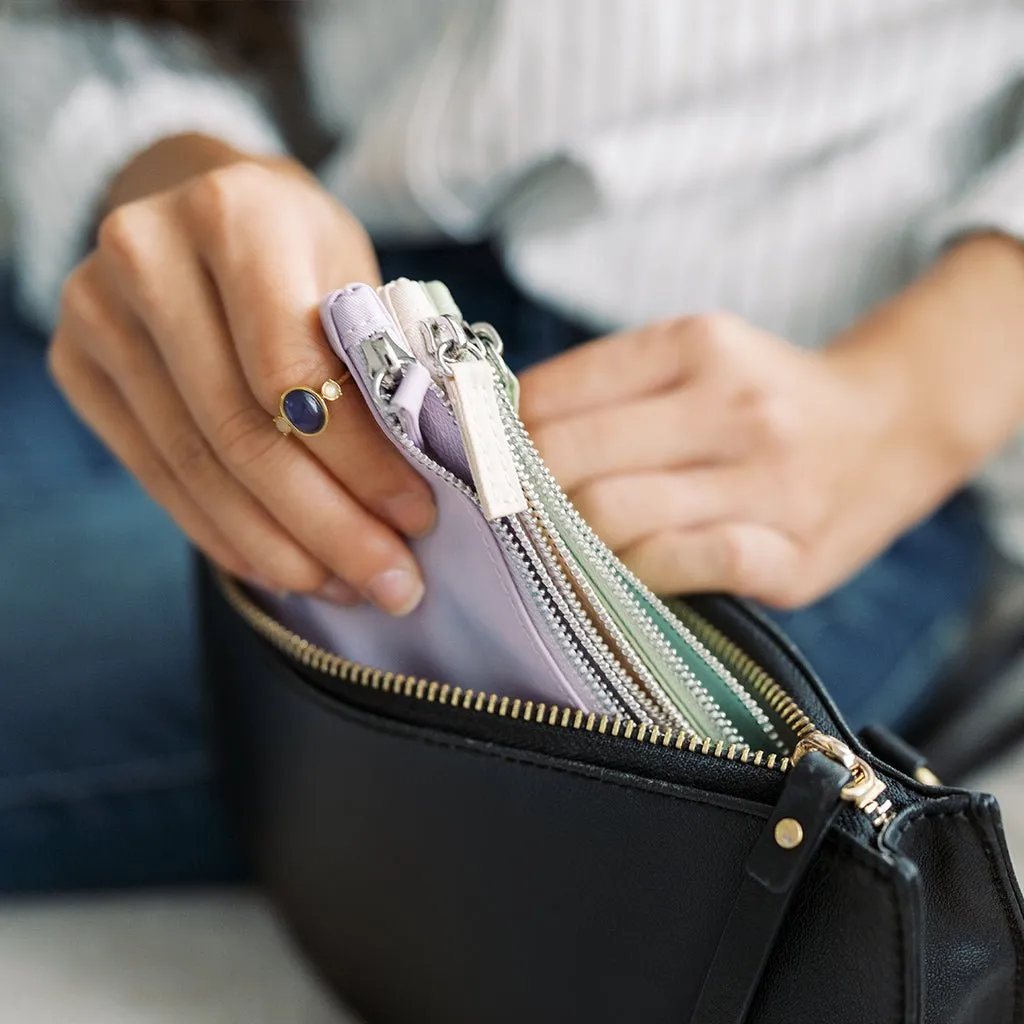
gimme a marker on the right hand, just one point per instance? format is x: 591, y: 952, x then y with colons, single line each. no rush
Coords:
x: 176, y: 338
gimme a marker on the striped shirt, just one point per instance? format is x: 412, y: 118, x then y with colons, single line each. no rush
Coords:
x: 791, y: 161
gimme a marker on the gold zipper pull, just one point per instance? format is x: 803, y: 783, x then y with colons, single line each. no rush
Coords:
x: 865, y: 789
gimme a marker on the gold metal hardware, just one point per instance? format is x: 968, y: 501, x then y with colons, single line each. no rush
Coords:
x: 927, y: 777
x: 789, y: 833
x: 865, y: 789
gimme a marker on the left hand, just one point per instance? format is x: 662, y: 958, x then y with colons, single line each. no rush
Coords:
x: 712, y: 456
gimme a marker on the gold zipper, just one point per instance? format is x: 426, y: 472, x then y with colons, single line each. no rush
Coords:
x: 865, y: 790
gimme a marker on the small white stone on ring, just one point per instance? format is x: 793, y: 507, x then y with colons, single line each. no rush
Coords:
x: 331, y: 390
x: 282, y: 424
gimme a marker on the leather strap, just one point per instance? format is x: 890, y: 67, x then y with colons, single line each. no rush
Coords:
x: 779, y: 859
x: 895, y: 750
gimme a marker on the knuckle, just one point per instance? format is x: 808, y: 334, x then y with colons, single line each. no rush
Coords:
x: 128, y: 242
x: 276, y: 376
x: 662, y: 338
x: 220, y: 197
x: 597, y: 503
x: 758, y: 569
x: 383, y: 490
x: 788, y: 594
x: 58, y: 361
x: 768, y: 419
x: 244, y: 439
x: 735, y: 557
x: 82, y: 307
x: 716, y: 325
x: 709, y: 335
x: 298, y: 577
x: 225, y: 559
x: 687, y: 340
x: 123, y: 232
x: 189, y: 456
x: 77, y: 297
x: 711, y: 330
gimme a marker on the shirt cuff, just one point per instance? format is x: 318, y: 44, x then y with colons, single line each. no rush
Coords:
x: 995, y: 203
x: 58, y: 186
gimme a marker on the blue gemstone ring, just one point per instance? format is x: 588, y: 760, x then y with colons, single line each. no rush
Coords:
x: 304, y: 411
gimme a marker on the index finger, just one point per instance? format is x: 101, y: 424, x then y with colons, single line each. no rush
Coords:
x: 609, y: 370
x: 281, y: 347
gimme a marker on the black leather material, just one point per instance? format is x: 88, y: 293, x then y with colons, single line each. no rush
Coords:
x: 811, y: 798
x: 967, y: 891
x: 459, y: 867
x: 895, y: 750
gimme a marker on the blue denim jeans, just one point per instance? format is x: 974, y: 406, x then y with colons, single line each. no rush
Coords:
x: 105, y: 775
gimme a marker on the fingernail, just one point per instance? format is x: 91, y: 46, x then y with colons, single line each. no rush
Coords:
x: 412, y: 513
x: 396, y: 591
x: 339, y: 592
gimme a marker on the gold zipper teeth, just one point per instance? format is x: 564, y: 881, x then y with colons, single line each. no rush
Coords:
x: 537, y: 712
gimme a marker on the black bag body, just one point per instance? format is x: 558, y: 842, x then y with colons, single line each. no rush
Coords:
x: 441, y: 859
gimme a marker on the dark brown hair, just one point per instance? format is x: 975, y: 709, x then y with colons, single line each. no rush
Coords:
x: 257, y: 33
x: 258, y: 36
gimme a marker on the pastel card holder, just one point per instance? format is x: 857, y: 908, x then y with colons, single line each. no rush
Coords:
x: 477, y: 620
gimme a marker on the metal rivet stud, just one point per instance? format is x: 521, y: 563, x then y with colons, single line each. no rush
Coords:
x: 789, y: 833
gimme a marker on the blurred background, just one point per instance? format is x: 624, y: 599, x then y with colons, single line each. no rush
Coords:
x: 570, y: 168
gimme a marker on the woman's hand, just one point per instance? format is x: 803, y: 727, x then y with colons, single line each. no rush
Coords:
x: 713, y: 456
x: 177, y: 337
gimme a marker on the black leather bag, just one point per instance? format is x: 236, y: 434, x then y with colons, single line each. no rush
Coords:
x: 456, y: 858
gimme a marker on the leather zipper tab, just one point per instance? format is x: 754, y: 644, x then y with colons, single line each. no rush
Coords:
x: 811, y: 798
x: 778, y: 861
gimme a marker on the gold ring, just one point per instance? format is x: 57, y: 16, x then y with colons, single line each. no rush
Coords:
x: 304, y: 411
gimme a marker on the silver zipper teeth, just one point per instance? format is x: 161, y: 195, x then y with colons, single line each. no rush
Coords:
x: 613, y: 572
x: 716, y: 721
x: 599, y: 554
x: 620, y: 689
x: 585, y: 661
x: 602, y: 695
x: 643, y: 704
x: 626, y: 692
x: 641, y: 687
x: 603, y: 665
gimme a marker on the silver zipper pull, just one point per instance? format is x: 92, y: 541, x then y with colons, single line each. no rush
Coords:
x: 462, y: 363
x: 385, y: 360
x: 494, y: 347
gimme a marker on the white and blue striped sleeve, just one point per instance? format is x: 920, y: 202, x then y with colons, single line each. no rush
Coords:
x: 78, y: 99
x: 993, y: 201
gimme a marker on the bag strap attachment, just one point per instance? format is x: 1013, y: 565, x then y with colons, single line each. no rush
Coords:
x: 780, y: 858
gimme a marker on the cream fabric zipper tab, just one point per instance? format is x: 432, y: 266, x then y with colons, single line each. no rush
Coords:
x: 470, y: 386
x: 494, y: 347
x: 408, y: 302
